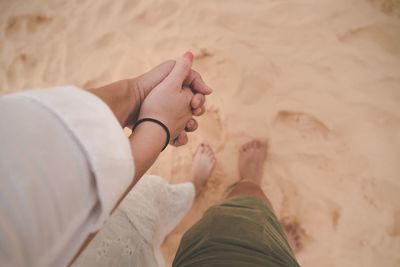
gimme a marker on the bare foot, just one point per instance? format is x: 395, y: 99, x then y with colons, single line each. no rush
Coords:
x: 251, y: 161
x: 292, y: 231
x: 202, y: 166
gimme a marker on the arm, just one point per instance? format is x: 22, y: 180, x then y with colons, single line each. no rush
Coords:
x: 76, y: 160
x: 146, y: 143
x: 125, y: 99
x: 148, y: 138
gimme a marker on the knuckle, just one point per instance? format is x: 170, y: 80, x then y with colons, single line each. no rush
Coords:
x: 196, y: 74
x: 196, y: 112
x: 202, y: 98
x: 199, y: 96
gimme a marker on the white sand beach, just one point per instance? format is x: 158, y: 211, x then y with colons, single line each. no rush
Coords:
x: 319, y: 79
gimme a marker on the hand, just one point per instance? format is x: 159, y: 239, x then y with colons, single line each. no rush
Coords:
x: 126, y: 96
x: 148, y: 81
x: 170, y: 101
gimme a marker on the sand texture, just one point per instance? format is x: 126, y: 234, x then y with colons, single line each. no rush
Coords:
x: 319, y: 79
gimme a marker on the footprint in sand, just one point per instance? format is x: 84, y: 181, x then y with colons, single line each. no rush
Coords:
x: 389, y: 7
x: 25, y: 24
x: 335, y: 215
x: 385, y: 36
x: 21, y: 68
x: 290, y: 221
x: 252, y: 88
x: 306, y: 125
x: 255, y: 86
x: 394, y: 230
x: 294, y: 233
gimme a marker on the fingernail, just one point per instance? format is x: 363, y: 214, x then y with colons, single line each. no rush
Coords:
x: 188, y: 55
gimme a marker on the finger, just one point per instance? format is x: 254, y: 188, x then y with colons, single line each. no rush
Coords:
x: 199, y: 111
x: 181, y: 70
x: 196, y: 82
x: 191, y: 126
x: 153, y: 77
x: 188, y: 93
x: 197, y: 100
x: 181, y: 140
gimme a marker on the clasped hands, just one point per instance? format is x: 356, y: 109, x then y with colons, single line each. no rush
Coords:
x: 172, y: 93
x: 175, y: 100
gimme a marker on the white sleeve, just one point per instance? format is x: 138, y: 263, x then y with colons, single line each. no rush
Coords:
x: 64, y: 164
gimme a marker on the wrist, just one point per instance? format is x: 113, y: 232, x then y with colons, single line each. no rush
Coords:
x: 123, y: 100
x: 136, y: 95
x: 146, y: 142
x: 150, y: 133
x: 159, y: 123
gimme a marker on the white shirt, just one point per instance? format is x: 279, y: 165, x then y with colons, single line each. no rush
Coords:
x: 64, y: 164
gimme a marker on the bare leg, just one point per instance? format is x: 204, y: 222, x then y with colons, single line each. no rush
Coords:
x: 202, y: 167
x: 252, y: 157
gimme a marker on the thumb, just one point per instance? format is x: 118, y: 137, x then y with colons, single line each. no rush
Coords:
x: 152, y: 78
x: 181, y: 70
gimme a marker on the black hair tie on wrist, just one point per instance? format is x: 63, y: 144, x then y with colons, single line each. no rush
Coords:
x: 157, y: 122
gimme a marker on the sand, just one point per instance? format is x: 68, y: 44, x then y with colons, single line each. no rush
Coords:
x: 319, y: 79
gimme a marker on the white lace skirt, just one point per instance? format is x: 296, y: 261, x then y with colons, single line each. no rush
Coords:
x: 132, y: 236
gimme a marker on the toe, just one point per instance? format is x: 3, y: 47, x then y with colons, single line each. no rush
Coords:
x: 207, y: 149
x: 211, y: 153
x: 257, y: 143
x: 299, y: 246
x: 243, y: 148
x: 253, y: 144
x: 289, y: 229
x: 199, y: 148
x: 247, y: 146
x: 264, y: 144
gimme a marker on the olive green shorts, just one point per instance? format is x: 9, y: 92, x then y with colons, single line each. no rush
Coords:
x: 241, y: 231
